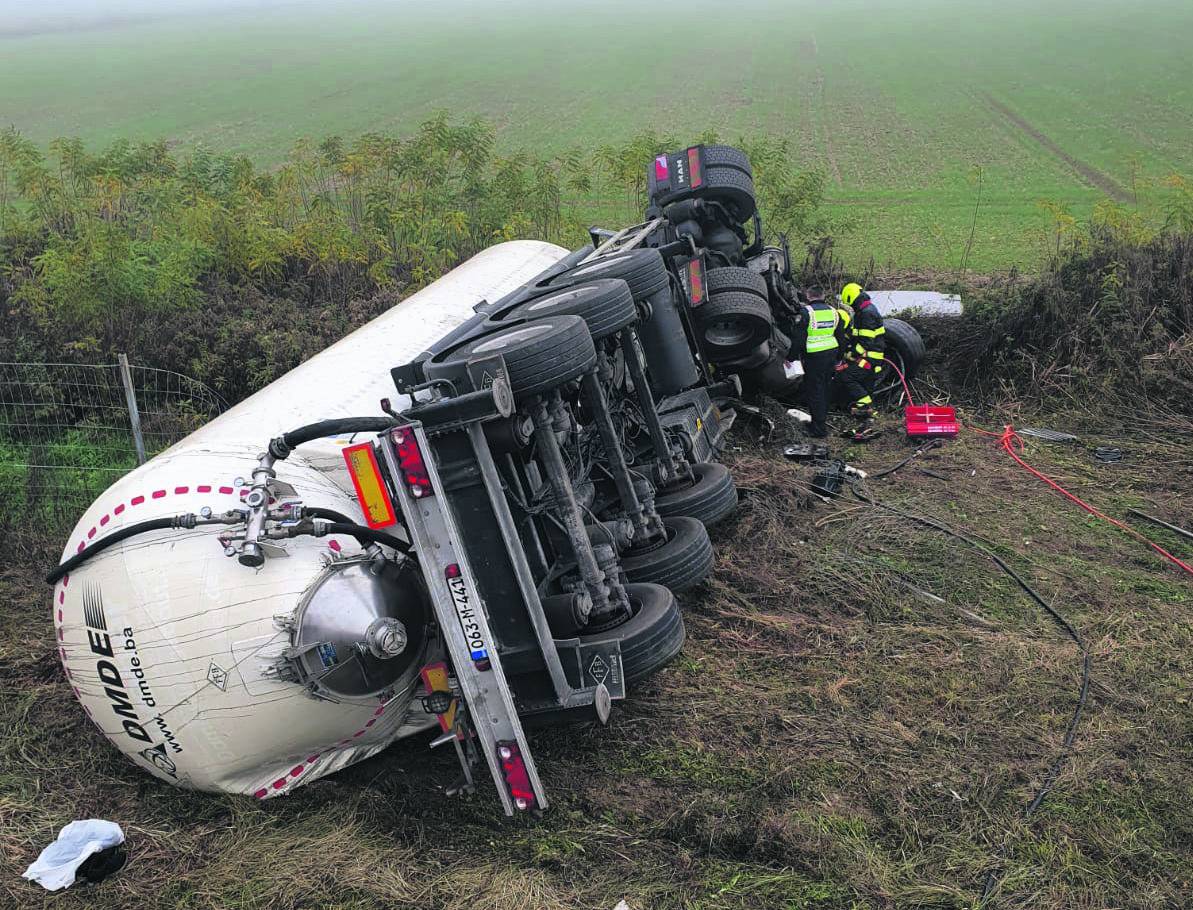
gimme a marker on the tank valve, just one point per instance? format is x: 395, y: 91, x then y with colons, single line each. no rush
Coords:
x: 386, y: 638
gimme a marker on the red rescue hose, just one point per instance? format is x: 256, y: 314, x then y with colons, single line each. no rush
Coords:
x: 1012, y: 444
x: 902, y: 379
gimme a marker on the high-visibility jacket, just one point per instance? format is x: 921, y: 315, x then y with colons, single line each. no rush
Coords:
x: 822, y: 327
x: 867, y: 336
x: 845, y: 328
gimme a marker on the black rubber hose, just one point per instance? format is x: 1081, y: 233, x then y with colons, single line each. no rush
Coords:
x: 926, y: 447
x: 367, y: 535
x: 141, y: 527
x: 329, y: 514
x: 282, y: 445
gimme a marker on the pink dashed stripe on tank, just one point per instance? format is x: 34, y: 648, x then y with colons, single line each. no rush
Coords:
x: 298, y: 769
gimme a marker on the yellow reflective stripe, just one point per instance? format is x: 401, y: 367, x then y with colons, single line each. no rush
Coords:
x: 876, y: 355
x: 865, y: 399
x: 870, y: 333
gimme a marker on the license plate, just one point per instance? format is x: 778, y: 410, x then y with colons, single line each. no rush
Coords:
x: 466, y: 612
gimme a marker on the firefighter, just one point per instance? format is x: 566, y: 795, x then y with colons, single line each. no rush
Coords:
x: 821, y: 351
x: 865, y: 349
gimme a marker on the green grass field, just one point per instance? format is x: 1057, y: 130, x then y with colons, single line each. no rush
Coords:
x: 900, y: 107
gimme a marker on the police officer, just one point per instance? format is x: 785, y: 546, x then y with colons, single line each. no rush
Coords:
x: 821, y: 351
x: 865, y: 351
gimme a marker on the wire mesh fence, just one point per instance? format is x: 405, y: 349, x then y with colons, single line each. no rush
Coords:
x: 67, y: 431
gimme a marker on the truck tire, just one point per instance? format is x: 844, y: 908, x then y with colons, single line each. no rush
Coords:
x: 540, y: 355
x: 732, y: 186
x: 606, y: 306
x: 735, y: 278
x: 682, y: 561
x: 710, y: 497
x: 731, y: 324
x: 727, y: 156
x: 643, y: 270
x: 651, y: 637
x: 906, y: 343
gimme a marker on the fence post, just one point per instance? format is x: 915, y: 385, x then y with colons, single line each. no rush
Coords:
x: 134, y: 415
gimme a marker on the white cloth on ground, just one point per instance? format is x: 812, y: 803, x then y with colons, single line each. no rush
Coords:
x: 56, y: 866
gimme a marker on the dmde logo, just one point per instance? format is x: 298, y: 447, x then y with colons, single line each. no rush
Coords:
x: 118, y: 691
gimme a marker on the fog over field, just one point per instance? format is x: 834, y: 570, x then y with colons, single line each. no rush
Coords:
x: 905, y: 107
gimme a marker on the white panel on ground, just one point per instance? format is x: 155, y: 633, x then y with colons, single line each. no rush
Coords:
x: 928, y: 303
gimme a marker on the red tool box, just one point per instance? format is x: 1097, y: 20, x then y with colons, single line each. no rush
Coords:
x: 930, y: 420
x: 927, y: 419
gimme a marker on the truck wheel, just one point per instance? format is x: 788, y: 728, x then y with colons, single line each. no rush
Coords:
x: 710, y: 497
x: 605, y: 305
x: 651, y: 637
x: 905, y: 348
x: 727, y: 156
x: 732, y: 324
x: 732, y: 186
x: 735, y: 278
x: 643, y: 270
x: 907, y: 343
x: 540, y: 355
x: 680, y: 562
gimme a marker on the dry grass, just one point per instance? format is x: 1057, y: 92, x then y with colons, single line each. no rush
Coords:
x: 859, y: 716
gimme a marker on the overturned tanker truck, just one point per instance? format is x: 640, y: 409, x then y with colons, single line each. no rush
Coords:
x: 471, y: 515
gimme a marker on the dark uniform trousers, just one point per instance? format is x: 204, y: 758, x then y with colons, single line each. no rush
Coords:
x: 818, y: 373
x: 857, y: 384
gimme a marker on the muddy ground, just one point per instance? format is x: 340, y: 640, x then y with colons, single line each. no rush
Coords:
x: 861, y: 712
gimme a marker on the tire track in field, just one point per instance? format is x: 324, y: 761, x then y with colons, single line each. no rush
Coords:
x: 1088, y: 173
x: 822, y: 118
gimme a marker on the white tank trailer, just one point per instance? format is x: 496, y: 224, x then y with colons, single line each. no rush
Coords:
x: 219, y: 658
x: 176, y: 651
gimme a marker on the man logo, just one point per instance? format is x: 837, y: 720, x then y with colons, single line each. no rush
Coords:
x: 157, y: 757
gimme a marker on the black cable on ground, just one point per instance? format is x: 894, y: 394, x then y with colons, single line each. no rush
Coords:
x: 993, y: 877
x: 926, y: 447
x: 141, y: 527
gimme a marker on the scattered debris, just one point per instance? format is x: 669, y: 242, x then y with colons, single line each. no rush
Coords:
x: 808, y: 451
x: 830, y: 477
x: 1108, y: 454
x: 863, y: 433
x: 1046, y: 434
x: 90, y: 849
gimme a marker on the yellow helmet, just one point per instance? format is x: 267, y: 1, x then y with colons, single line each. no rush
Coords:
x: 850, y: 293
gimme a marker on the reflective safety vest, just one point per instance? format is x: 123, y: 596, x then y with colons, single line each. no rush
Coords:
x: 822, y: 327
